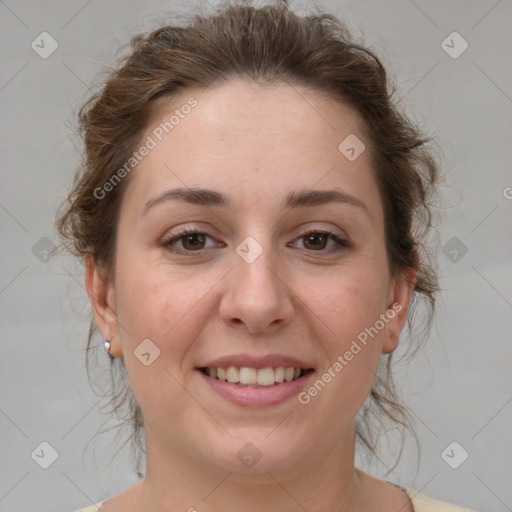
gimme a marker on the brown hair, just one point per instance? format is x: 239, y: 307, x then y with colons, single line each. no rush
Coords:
x: 268, y: 45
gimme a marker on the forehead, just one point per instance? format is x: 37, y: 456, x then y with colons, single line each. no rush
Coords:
x: 253, y: 142
x: 239, y: 107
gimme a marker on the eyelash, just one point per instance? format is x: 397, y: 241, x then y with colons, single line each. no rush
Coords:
x: 342, y: 243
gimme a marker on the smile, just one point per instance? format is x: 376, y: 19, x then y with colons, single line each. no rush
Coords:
x: 242, y: 387
x: 254, y: 377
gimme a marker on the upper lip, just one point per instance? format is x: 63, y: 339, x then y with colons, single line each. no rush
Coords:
x: 248, y: 361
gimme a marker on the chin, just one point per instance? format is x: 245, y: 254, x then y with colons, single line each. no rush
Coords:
x: 255, y: 452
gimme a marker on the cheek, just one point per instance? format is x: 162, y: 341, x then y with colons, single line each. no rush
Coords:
x: 163, y: 304
x: 159, y: 309
x: 150, y: 307
x: 351, y: 307
x: 353, y: 302
x: 145, y: 295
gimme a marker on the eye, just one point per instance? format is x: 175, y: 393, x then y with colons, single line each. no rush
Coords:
x: 191, y: 240
x: 316, y: 240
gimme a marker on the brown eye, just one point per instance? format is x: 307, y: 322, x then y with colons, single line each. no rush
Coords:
x: 316, y: 241
x: 191, y: 241
x: 195, y: 240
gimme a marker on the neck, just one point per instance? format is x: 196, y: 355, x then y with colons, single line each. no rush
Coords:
x: 323, y: 481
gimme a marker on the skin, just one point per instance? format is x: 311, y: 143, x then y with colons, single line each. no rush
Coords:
x: 255, y: 144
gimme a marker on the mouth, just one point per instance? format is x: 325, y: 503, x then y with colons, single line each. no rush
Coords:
x: 247, y: 377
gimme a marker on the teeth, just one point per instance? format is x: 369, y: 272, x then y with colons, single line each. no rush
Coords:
x: 266, y: 377
x: 248, y: 376
x: 255, y: 377
x: 232, y: 374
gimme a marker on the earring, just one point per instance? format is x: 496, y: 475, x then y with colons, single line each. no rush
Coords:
x: 107, y: 345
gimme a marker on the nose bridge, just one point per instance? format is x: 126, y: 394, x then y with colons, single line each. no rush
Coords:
x: 258, y: 267
x: 257, y: 294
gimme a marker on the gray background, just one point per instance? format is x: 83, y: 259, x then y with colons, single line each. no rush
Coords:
x: 458, y: 387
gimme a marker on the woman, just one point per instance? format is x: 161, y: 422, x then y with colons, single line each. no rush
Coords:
x: 250, y: 213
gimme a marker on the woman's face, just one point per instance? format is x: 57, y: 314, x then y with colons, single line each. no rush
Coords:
x: 251, y: 287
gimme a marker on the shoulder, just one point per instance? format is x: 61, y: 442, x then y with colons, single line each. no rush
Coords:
x: 92, y: 508
x: 423, y: 503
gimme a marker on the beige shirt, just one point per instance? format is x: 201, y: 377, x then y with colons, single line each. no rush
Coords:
x: 420, y: 502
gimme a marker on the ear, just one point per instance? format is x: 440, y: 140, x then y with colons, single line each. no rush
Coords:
x: 401, y: 291
x: 102, y: 297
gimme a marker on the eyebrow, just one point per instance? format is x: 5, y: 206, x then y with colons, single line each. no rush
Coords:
x: 298, y: 199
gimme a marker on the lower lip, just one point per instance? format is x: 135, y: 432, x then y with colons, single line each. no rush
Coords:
x: 251, y: 397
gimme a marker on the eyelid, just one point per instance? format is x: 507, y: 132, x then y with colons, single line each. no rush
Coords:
x: 317, y: 229
x: 194, y: 229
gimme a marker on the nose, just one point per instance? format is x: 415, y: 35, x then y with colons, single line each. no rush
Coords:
x: 256, y: 296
